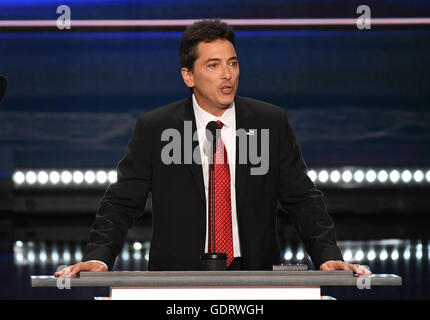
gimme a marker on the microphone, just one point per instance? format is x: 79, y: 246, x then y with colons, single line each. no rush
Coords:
x: 212, y: 134
x: 213, y: 261
x: 211, y: 130
x: 3, y: 86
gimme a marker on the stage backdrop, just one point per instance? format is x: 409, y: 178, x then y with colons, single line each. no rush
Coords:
x: 354, y: 97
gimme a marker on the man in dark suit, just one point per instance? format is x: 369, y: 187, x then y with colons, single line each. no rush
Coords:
x: 175, y: 171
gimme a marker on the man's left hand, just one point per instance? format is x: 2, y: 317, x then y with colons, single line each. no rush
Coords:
x: 341, y: 265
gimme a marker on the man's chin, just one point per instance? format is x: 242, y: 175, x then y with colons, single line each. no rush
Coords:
x: 226, y: 102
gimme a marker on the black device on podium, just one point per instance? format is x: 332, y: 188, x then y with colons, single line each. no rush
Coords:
x: 213, y: 261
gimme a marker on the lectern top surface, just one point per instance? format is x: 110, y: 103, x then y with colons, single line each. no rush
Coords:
x: 244, y: 273
x: 218, y: 279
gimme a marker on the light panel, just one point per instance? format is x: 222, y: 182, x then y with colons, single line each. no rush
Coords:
x: 343, y: 177
x: 362, y: 252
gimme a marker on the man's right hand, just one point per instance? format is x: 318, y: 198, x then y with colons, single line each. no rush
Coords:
x: 81, y: 266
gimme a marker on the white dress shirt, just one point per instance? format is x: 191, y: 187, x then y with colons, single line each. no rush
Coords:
x: 228, y: 136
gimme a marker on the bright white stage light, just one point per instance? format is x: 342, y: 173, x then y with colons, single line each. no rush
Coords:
x: 54, y: 256
x: 137, y: 246
x: 19, y: 257
x: 407, y: 254
x: 137, y: 255
x: 419, y: 254
x: 101, y: 177
x: 335, y: 176
x: 323, y: 176
x: 359, y: 176
x: 31, y: 177
x: 78, y: 177
x: 78, y: 255
x: 18, y: 177
x: 125, y: 255
x: 43, y: 257
x: 394, y: 255
x: 347, y: 256
x: 54, y: 177
x: 112, y: 176
x: 312, y: 175
x: 31, y: 257
x: 359, y: 255
x: 288, y: 255
x: 383, y: 255
x: 42, y: 177
x: 66, y: 256
x: 66, y: 177
x: 394, y: 176
x: 418, y: 176
x: 347, y: 176
x: 90, y: 177
x: 371, y: 176
x: 428, y: 176
x: 300, y: 255
x: 382, y: 176
x: 406, y: 176
x: 19, y: 244
x: 371, y: 255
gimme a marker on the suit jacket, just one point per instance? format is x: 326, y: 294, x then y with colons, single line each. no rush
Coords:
x: 178, y: 197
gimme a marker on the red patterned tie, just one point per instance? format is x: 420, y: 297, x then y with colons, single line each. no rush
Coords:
x: 223, y: 226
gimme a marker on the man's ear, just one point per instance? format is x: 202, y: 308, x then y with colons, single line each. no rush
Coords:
x: 188, y: 77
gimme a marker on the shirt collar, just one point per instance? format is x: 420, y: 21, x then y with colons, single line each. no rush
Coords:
x: 227, y: 118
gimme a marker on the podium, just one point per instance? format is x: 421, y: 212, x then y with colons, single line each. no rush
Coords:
x: 217, y: 285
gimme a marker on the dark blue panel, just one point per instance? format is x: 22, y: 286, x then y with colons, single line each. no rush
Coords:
x: 353, y: 97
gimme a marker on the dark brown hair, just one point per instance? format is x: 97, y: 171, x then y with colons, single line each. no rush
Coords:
x: 202, y: 31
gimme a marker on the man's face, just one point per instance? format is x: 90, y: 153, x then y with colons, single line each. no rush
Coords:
x: 215, y: 77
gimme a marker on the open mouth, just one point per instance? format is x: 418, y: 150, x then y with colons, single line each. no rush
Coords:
x: 227, y: 89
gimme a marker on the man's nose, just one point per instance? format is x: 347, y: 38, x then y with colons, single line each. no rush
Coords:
x: 226, y: 73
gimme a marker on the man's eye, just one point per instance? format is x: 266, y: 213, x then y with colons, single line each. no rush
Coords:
x: 233, y: 63
x: 212, y: 65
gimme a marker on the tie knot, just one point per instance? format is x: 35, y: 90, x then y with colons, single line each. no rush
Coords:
x: 220, y: 124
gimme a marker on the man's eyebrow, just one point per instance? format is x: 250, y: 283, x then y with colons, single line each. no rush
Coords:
x: 218, y: 59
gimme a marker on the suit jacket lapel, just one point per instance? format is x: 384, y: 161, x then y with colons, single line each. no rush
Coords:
x: 187, y: 114
x: 242, y: 170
